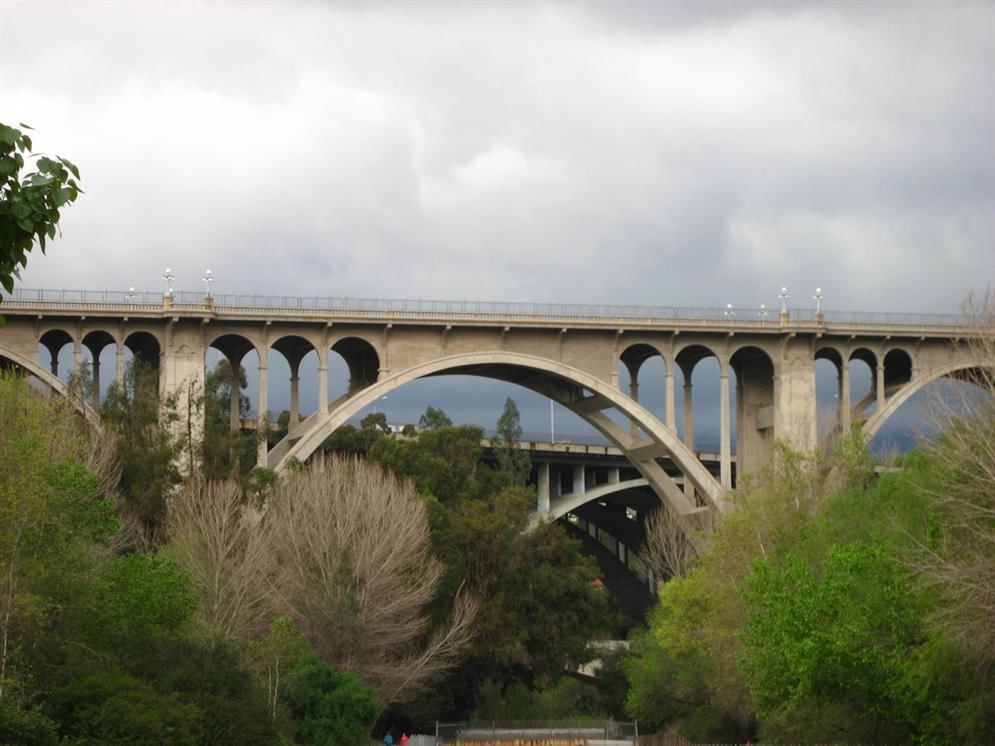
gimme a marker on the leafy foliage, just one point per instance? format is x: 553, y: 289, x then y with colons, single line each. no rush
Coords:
x: 433, y: 419
x: 511, y: 459
x: 30, y: 205
x: 329, y: 707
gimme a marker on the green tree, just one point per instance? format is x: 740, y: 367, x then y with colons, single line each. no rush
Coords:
x: 434, y: 419
x: 329, y: 707
x: 828, y: 648
x: 145, y: 428
x: 30, y: 204
x: 511, y: 459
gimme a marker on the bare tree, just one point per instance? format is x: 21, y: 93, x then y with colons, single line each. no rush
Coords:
x: 342, y: 549
x: 959, y: 563
x: 350, y: 544
x: 223, y: 543
x: 667, y: 550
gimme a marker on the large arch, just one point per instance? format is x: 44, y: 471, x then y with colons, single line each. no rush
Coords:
x: 877, y: 420
x: 586, y: 396
x: 53, y: 382
x: 569, y: 503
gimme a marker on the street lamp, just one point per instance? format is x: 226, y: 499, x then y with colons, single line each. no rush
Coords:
x: 784, y: 295
x: 763, y: 313
x: 208, y: 279
x: 729, y: 313
x: 167, y: 280
x: 818, y: 301
x: 131, y: 294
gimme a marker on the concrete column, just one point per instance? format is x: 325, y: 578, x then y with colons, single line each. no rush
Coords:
x: 96, y: 381
x: 725, y: 445
x: 845, y: 406
x: 295, y: 396
x: 688, y: 417
x: 233, y: 401
x: 554, y: 483
x: 579, y: 488
x: 119, y: 369
x: 671, y: 401
x: 54, y: 364
x: 794, y: 396
x: 634, y: 394
x: 623, y: 553
x: 77, y: 357
x: 613, y: 475
x: 880, y: 385
x: 261, y: 417
x: 322, y: 381
x: 542, y: 488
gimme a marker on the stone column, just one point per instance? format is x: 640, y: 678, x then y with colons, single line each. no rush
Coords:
x: 880, y: 385
x: 671, y: 401
x: 295, y: 405
x: 845, y: 406
x: 261, y: 417
x: 119, y: 369
x: 725, y: 444
x: 634, y: 395
x: 234, y: 416
x: 96, y: 380
x: 542, y: 488
x: 579, y: 487
x: 688, y: 417
x: 322, y: 381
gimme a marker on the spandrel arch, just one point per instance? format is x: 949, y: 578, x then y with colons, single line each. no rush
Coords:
x: 587, y: 396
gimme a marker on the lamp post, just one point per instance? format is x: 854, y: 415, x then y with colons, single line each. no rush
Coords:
x: 131, y: 295
x: 729, y: 313
x: 763, y: 313
x: 167, y: 291
x: 208, y: 279
x: 818, y: 303
x: 784, y: 295
x: 552, y: 427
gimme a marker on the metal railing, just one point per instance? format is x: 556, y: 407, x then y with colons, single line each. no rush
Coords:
x: 150, y: 300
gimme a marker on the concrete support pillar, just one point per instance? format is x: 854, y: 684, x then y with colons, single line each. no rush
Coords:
x: 542, y: 488
x: 845, y: 405
x: 234, y: 416
x: 670, y: 398
x: 579, y: 488
x: 77, y: 357
x: 880, y: 385
x: 95, y: 390
x: 322, y: 381
x: 634, y: 394
x: 555, y: 487
x: 688, y: 417
x: 613, y: 475
x: 54, y: 364
x: 295, y: 396
x: 261, y: 418
x: 119, y: 366
x: 623, y: 554
x: 725, y: 430
x: 794, y: 396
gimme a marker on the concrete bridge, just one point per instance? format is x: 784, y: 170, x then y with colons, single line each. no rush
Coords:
x: 571, y: 354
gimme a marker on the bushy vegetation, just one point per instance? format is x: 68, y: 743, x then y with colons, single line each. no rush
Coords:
x: 820, y: 612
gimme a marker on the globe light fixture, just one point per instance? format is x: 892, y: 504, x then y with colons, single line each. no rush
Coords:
x: 167, y: 280
x: 784, y: 295
x: 818, y: 301
x: 208, y: 279
x: 763, y: 313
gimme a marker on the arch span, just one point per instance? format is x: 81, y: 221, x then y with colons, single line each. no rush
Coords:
x: 877, y: 420
x: 580, y: 392
x: 53, y: 382
x: 569, y: 503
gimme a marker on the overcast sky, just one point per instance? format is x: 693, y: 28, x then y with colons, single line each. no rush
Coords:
x: 677, y: 154
x: 648, y: 153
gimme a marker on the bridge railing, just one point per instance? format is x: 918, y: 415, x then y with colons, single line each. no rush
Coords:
x: 149, y: 300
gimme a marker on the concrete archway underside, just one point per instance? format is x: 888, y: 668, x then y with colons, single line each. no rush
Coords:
x: 583, y: 394
x: 878, y: 419
x: 54, y: 384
